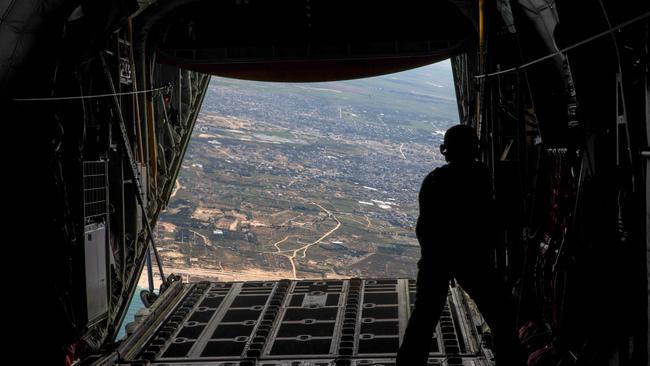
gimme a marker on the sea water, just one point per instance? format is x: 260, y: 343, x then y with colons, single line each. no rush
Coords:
x: 135, y: 305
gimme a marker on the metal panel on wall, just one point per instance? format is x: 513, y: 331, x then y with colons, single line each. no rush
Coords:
x: 96, y: 274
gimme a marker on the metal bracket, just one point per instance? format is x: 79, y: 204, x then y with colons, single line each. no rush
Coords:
x: 621, y: 123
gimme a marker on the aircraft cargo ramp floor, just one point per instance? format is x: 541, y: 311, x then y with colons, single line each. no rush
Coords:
x: 294, y: 323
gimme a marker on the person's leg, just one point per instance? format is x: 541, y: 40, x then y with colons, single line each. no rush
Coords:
x: 496, y: 305
x: 430, y: 296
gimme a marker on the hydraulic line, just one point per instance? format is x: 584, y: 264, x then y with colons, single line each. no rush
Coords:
x: 568, y: 48
x: 134, y: 168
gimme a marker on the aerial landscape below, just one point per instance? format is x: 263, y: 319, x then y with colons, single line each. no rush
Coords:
x: 313, y: 180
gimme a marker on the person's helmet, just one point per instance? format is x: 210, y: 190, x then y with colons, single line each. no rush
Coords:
x: 460, y: 144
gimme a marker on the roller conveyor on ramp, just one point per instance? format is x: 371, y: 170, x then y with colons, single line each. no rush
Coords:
x: 294, y: 323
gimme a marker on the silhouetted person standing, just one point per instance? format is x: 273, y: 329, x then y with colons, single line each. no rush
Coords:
x: 457, y: 236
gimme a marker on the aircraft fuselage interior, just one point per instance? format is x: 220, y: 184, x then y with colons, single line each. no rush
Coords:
x: 104, y: 96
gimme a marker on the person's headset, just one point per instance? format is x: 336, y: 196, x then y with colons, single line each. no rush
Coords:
x: 443, y: 149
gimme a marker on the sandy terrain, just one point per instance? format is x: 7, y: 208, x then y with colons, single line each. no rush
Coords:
x: 204, y: 214
x: 167, y: 226
x: 197, y: 274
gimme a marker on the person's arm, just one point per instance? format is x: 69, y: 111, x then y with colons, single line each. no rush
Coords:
x: 429, y: 218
